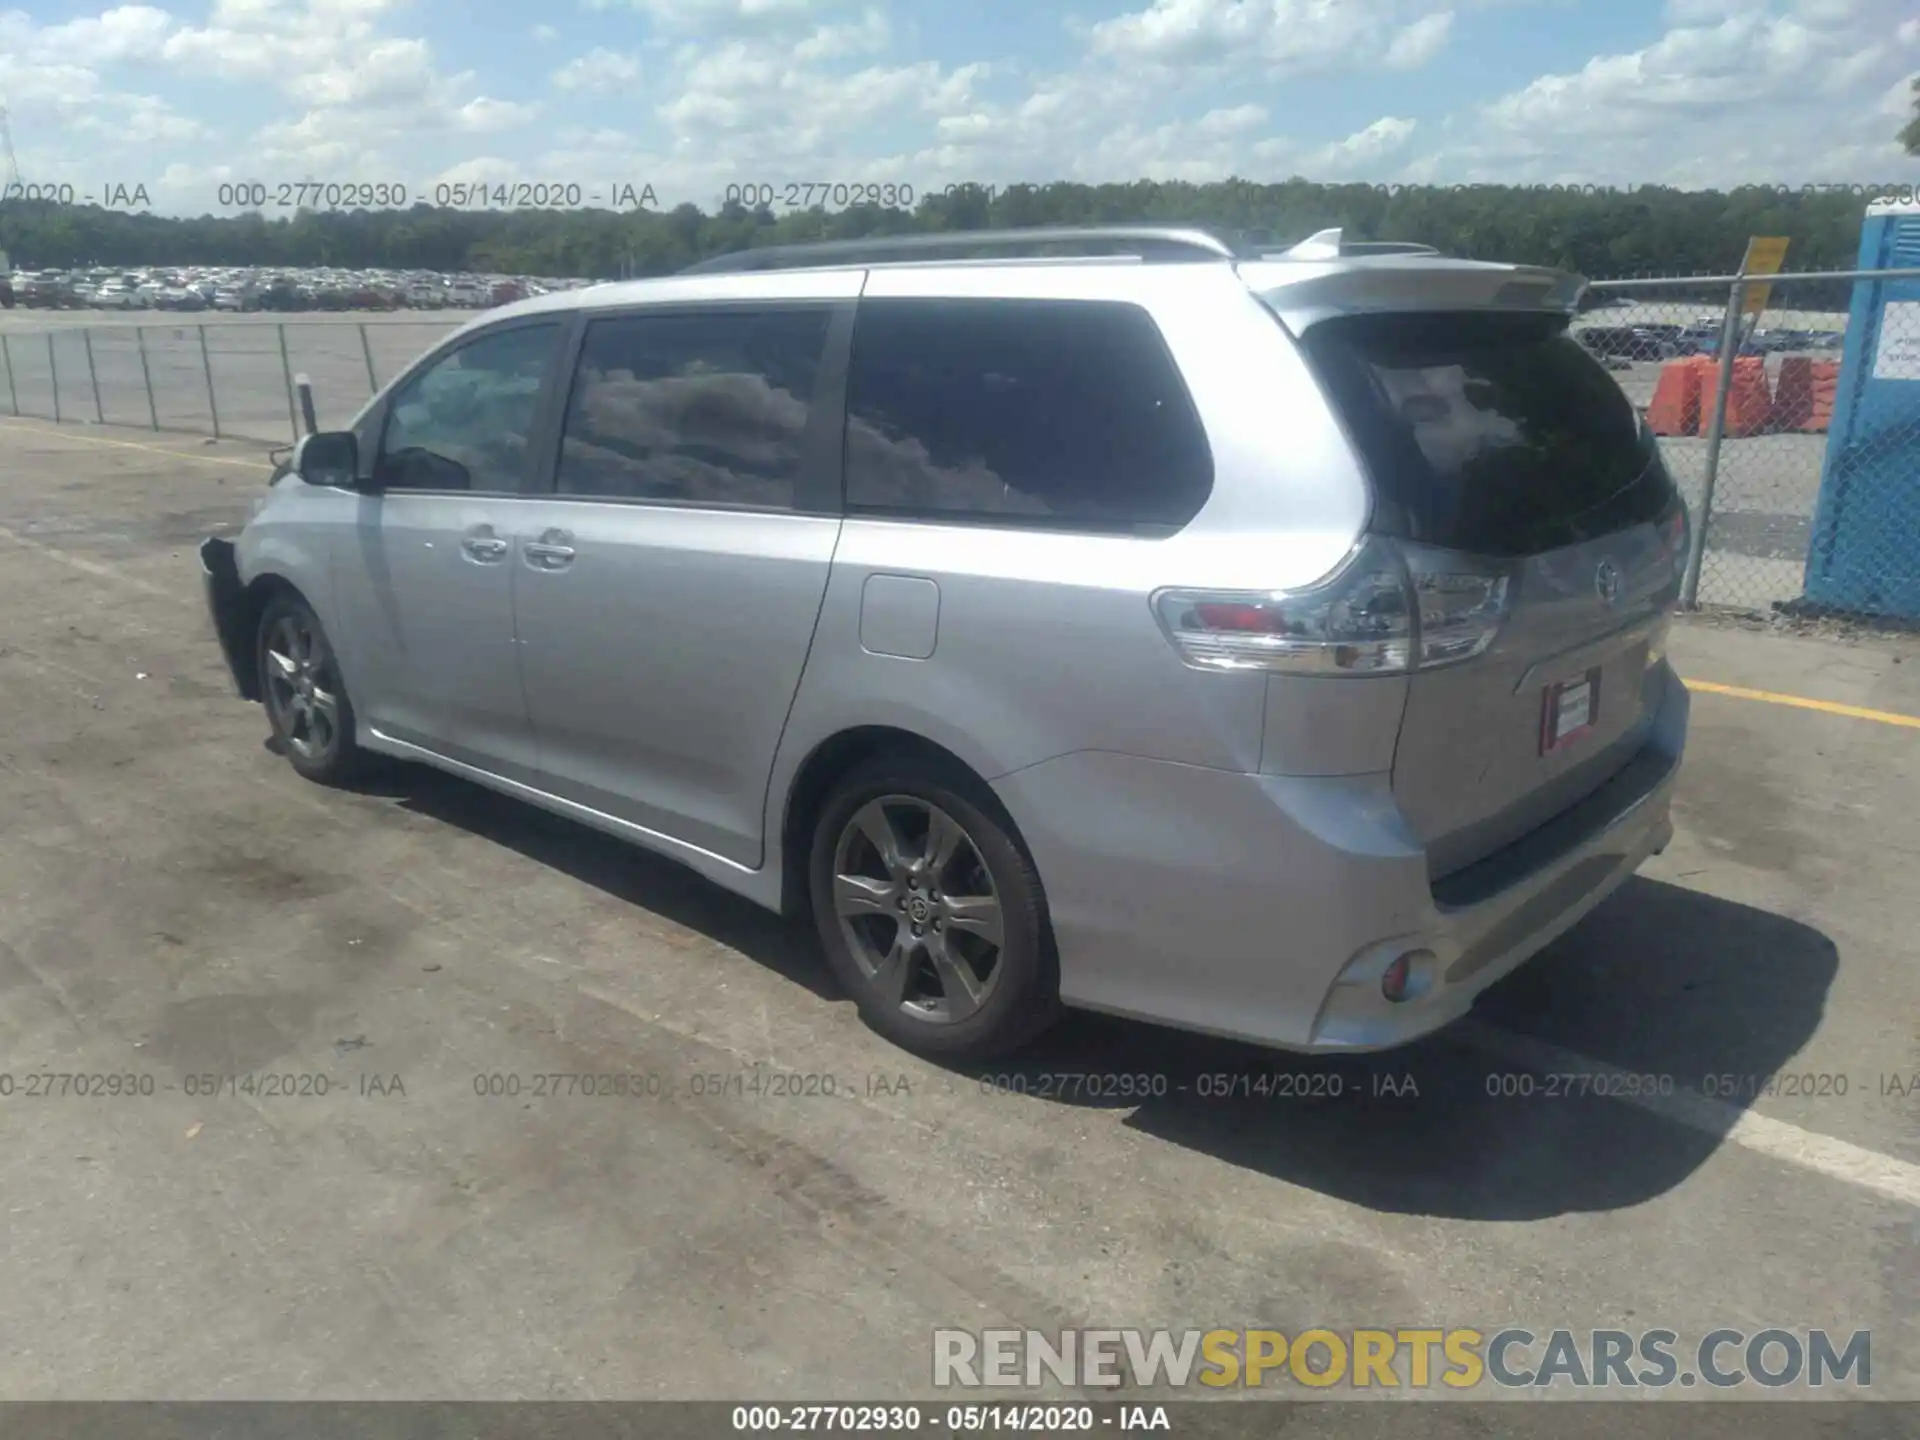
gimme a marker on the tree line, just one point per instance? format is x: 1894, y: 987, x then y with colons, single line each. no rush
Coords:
x: 1599, y: 232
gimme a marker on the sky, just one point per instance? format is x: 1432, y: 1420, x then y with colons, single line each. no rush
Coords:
x: 676, y: 100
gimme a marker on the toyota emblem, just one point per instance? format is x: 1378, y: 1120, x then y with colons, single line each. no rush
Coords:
x: 1606, y: 581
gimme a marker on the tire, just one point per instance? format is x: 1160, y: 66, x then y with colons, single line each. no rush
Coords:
x: 303, y: 694
x: 949, y: 992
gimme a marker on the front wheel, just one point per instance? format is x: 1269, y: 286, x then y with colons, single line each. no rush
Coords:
x: 304, y: 696
x: 931, y: 912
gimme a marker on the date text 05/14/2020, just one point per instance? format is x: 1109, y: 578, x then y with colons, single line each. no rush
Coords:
x: 446, y: 195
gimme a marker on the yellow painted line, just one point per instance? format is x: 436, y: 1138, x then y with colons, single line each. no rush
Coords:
x: 1801, y: 702
x: 135, y: 445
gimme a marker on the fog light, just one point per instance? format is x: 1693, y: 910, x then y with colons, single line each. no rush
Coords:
x: 1393, y: 984
x: 1406, y: 976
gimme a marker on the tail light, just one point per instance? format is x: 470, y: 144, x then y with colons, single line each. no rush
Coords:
x: 1390, y: 609
x: 1460, y: 609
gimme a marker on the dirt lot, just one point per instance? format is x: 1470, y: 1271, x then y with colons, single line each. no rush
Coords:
x: 176, y: 905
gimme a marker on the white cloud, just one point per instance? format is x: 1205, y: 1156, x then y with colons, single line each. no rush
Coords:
x: 126, y: 32
x: 484, y: 115
x: 70, y: 122
x: 385, y: 72
x: 1897, y: 103
x: 1238, y: 120
x: 870, y: 34
x: 846, y: 90
x: 130, y: 123
x: 1278, y: 36
x: 734, y: 16
x: 265, y: 40
x: 1740, y: 92
x: 1382, y: 138
x: 596, y: 71
x: 1419, y: 42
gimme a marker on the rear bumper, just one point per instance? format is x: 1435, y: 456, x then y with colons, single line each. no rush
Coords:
x: 1266, y: 908
x: 227, y: 608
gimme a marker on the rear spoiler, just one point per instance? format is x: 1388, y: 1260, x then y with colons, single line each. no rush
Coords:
x: 1304, y: 292
x: 1333, y: 244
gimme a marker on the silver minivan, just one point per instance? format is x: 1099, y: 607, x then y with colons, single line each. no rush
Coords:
x: 1271, y: 646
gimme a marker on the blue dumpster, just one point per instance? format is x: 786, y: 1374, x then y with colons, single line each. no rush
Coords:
x: 1865, y: 552
x: 1864, y: 555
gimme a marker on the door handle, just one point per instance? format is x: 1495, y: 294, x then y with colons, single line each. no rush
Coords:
x: 551, y: 551
x: 482, y: 544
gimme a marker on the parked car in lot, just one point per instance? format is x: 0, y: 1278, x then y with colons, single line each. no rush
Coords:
x: 1273, y: 648
x: 283, y: 294
x: 1665, y: 340
x: 1632, y: 342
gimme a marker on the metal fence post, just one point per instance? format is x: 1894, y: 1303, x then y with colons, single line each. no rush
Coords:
x: 1716, y: 427
x: 305, y: 387
x: 366, y: 349
x: 93, y: 377
x: 206, y: 364
x: 146, y: 375
x: 13, y: 395
x: 53, y: 371
x: 286, y: 374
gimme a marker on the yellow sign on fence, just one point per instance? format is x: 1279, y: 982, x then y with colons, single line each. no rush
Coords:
x: 1765, y: 255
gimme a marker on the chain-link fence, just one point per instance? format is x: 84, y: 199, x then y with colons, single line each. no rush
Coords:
x: 1789, y: 416
x: 227, y: 377
x: 1789, y: 413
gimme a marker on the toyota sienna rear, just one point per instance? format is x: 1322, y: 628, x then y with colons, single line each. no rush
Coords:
x: 1270, y: 647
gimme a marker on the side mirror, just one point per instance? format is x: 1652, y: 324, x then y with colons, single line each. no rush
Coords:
x: 331, y: 457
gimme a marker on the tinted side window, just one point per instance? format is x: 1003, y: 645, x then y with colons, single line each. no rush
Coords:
x: 1495, y: 433
x: 1047, y: 412
x: 464, y: 423
x: 701, y: 407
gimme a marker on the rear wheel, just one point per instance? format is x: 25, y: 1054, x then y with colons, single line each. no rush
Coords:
x: 931, y: 912
x: 303, y: 694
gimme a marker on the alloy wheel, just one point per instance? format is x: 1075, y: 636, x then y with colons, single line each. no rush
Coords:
x: 918, y: 908
x: 303, y: 686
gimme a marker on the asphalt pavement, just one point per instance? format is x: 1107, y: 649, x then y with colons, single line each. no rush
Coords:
x: 177, y: 907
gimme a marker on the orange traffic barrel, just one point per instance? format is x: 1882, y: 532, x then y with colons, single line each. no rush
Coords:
x: 1750, y: 402
x: 1826, y: 385
x: 1675, y: 409
x: 1793, y: 393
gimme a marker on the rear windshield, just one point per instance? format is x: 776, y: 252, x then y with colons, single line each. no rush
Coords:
x: 1496, y: 434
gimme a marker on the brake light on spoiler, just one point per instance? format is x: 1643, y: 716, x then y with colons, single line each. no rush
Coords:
x: 1389, y: 609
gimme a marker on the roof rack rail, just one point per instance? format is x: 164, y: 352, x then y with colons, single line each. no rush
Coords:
x: 1147, y: 242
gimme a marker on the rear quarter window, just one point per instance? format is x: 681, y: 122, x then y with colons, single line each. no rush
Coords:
x: 1067, y: 414
x: 1495, y: 434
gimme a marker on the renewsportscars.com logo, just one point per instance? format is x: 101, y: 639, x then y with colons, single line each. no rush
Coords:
x: 1402, y: 1359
